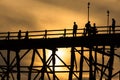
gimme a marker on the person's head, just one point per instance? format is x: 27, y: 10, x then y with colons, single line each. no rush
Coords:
x: 94, y: 24
x: 113, y: 19
x: 89, y: 22
x: 74, y: 22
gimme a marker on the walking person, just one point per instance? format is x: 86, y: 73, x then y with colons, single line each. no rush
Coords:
x: 75, y: 26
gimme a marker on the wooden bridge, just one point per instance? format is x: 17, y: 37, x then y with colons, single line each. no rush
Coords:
x: 16, y: 46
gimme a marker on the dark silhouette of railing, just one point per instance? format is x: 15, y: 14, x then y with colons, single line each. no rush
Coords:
x: 54, y: 33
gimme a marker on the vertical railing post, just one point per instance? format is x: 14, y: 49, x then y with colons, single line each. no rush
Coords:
x: 26, y: 35
x: 45, y: 34
x: 19, y: 35
x: 8, y: 37
x: 64, y: 33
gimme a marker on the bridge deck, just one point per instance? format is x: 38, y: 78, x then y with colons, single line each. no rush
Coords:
x: 100, y: 39
x: 58, y: 38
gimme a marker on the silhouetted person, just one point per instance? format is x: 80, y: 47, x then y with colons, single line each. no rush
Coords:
x: 19, y: 34
x: 88, y: 28
x: 75, y: 29
x: 94, y: 29
x: 26, y: 35
x: 113, y: 25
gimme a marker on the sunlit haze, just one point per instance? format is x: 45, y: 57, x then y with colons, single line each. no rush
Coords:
x: 28, y: 15
x: 52, y: 14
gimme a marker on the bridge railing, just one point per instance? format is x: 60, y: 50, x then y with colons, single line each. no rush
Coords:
x: 54, y: 33
x: 107, y: 29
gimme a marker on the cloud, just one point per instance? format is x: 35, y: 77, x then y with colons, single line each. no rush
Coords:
x: 97, y: 8
x: 47, y: 14
x: 71, y: 4
x: 14, y: 17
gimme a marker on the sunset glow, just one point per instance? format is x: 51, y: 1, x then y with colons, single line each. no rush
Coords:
x: 45, y: 14
x: 36, y: 15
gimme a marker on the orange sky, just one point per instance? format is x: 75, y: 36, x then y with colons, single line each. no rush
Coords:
x: 54, y: 14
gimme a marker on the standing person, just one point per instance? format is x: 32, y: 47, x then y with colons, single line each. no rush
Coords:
x: 88, y: 28
x: 75, y: 29
x: 113, y: 25
x: 94, y: 29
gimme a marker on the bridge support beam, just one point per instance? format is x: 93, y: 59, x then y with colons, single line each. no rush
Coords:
x: 81, y: 64
x: 44, y: 64
x: 102, y: 63
x: 111, y: 62
x: 95, y: 66
x: 90, y: 64
x: 72, y: 63
x: 18, y: 64
x: 53, y: 58
x: 31, y: 65
x: 8, y: 64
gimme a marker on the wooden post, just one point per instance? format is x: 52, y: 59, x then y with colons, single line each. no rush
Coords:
x: 81, y: 64
x: 111, y: 62
x: 8, y: 63
x: 72, y: 63
x: 44, y: 64
x: 31, y: 65
x: 90, y: 64
x: 53, y: 57
x: 102, y: 63
x: 18, y: 64
x: 95, y: 66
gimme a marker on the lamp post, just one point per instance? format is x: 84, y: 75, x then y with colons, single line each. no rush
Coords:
x: 88, y: 9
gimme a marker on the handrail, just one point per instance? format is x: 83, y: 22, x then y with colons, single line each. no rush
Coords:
x: 53, y: 33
